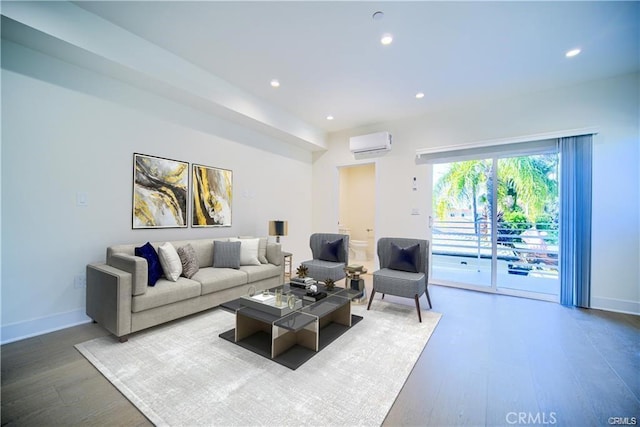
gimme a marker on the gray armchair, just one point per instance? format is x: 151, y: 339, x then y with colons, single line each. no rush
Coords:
x: 330, y: 256
x: 404, y: 269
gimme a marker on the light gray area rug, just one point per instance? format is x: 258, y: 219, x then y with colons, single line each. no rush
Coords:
x: 182, y: 373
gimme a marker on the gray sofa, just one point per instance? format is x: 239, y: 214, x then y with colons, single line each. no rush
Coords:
x: 120, y: 300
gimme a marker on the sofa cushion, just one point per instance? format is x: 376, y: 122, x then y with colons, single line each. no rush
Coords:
x: 404, y: 259
x: 189, y: 260
x: 170, y: 261
x: 202, y: 247
x: 248, y: 251
x: 226, y: 254
x: 216, y: 279
x: 166, y: 292
x: 330, y: 250
x: 154, y: 269
x: 260, y: 272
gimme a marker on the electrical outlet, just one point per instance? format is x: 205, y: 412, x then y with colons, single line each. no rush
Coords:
x: 80, y: 282
x: 415, y: 211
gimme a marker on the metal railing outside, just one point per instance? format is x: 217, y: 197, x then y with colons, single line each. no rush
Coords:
x: 527, y: 247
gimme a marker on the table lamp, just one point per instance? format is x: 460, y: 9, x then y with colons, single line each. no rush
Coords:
x: 278, y: 228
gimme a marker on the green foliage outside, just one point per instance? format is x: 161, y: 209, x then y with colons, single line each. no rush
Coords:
x: 527, y: 191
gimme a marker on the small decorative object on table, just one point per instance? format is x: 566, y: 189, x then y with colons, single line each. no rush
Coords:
x: 313, y: 295
x: 302, y: 271
x: 329, y: 284
x: 291, y: 301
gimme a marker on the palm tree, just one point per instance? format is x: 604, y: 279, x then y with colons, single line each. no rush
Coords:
x: 525, y: 182
x: 462, y: 183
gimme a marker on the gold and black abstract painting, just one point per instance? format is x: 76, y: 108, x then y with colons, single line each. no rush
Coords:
x: 212, y: 196
x: 159, y: 192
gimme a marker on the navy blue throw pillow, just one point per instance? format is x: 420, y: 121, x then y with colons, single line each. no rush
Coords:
x: 154, y: 271
x: 405, y: 259
x: 330, y: 250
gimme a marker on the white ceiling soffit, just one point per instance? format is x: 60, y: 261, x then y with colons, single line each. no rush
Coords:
x: 94, y: 43
x: 329, y: 60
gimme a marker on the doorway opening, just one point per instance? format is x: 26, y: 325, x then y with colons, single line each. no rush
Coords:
x: 495, y: 225
x: 356, y: 216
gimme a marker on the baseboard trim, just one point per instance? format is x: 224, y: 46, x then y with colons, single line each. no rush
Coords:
x: 31, y: 328
x: 615, y: 304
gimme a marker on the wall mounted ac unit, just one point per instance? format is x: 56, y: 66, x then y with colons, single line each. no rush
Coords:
x: 371, y: 143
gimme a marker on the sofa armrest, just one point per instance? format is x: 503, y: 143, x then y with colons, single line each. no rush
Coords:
x: 134, y: 265
x: 109, y: 298
x: 274, y: 254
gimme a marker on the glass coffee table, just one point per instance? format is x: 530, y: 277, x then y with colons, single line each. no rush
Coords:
x: 295, y: 335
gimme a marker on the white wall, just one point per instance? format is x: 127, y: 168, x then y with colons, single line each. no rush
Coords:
x: 70, y: 130
x: 611, y: 105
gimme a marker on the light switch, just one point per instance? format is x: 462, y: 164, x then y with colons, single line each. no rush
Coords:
x: 415, y: 211
x: 82, y: 198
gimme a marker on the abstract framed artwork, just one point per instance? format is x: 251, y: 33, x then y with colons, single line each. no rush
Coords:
x: 212, y: 196
x: 160, y: 189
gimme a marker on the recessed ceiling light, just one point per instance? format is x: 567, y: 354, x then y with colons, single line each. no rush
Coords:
x: 572, y: 53
x: 419, y: 95
x: 386, y: 39
x: 377, y: 16
x: 329, y: 117
x: 275, y: 83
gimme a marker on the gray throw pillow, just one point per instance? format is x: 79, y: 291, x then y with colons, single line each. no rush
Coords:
x: 405, y: 259
x: 189, y: 260
x: 226, y: 254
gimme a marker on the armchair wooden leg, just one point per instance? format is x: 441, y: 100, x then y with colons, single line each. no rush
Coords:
x: 373, y: 292
x: 382, y: 296
x: 418, y: 308
x: 426, y: 291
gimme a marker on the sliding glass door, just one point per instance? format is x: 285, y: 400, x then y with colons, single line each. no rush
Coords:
x: 495, y: 224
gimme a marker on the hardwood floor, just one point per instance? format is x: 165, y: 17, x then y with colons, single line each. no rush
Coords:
x: 493, y: 360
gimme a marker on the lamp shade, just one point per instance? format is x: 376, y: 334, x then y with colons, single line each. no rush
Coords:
x: 278, y: 228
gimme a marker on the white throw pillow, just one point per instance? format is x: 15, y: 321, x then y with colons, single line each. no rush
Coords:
x: 170, y: 261
x: 248, y: 251
x: 262, y: 248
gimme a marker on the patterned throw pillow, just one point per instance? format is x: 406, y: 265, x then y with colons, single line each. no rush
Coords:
x: 330, y: 250
x: 226, y: 254
x: 189, y: 260
x: 154, y: 269
x: 405, y: 259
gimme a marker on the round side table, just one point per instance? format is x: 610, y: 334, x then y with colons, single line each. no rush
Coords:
x: 356, y: 282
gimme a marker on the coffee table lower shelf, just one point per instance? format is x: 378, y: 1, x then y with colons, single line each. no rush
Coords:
x: 295, y: 356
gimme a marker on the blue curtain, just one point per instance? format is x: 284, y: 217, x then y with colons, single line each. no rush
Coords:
x: 575, y: 220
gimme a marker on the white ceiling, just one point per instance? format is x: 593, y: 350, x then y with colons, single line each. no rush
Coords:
x: 329, y: 60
